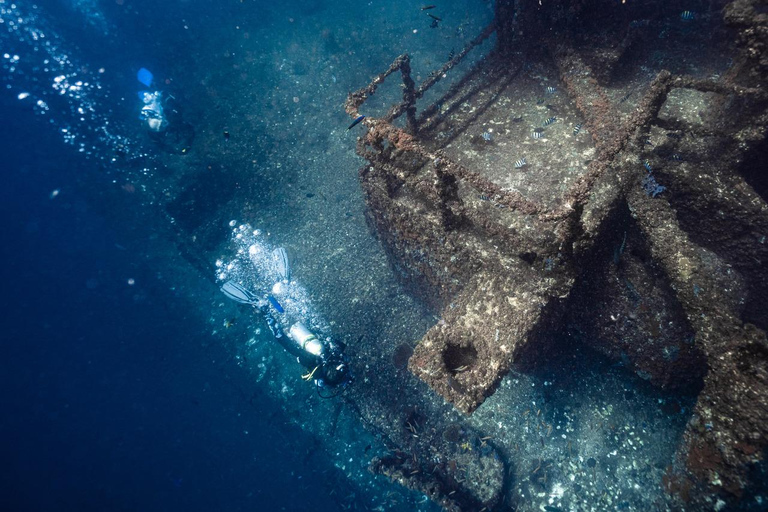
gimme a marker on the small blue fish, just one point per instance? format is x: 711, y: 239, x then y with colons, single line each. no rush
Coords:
x: 537, y: 134
x: 647, y: 166
x: 577, y: 129
x: 688, y: 16
x: 549, y: 121
x: 356, y: 122
x: 520, y: 163
x: 484, y: 197
x: 551, y: 90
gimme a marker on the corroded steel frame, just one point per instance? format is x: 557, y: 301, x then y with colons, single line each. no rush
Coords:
x: 505, y: 295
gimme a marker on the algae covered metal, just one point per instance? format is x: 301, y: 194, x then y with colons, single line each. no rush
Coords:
x: 635, y: 224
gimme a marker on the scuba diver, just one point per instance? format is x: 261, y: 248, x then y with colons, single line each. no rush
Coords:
x: 162, y: 117
x: 283, y: 308
x: 152, y: 111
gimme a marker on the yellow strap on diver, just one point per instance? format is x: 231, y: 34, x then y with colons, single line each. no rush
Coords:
x: 310, y: 374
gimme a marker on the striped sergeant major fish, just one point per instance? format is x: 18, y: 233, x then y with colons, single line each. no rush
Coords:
x: 551, y: 90
x: 484, y: 197
x: 626, y: 96
x: 577, y: 129
x: 538, y: 133
x: 520, y: 163
x: 647, y: 166
x: 688, y: 16
x: 549, y: 121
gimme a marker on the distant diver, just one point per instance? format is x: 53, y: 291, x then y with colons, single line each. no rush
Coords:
x: 152, y: 111
x: 324, y: 359
x: 162, y: 117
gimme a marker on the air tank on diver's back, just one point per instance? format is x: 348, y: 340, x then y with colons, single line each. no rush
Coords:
x: 285, y: 308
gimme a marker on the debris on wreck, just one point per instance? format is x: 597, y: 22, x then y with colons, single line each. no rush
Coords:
x: 505, y: 258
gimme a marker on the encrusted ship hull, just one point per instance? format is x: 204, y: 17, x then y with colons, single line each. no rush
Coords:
x: 558, y: 187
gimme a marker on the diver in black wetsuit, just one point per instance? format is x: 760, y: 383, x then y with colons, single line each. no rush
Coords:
x: 326, y: 363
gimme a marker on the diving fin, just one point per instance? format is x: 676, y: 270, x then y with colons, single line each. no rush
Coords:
x: 145, y: 77
x: 281, y: 263
x: 239, y: 294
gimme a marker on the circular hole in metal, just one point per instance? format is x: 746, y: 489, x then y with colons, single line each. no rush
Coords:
x: 459, y: 358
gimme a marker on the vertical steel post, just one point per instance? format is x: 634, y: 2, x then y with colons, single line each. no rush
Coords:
x: 409, y: 94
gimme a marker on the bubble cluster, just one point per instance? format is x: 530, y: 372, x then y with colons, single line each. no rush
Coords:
x: 41, y: 72
x: 253, y: 266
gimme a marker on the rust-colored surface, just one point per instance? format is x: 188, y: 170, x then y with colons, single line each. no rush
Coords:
x: 573, y: 240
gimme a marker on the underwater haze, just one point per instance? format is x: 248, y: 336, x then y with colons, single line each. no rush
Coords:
x: 121, y: 389
x: 210, y: 302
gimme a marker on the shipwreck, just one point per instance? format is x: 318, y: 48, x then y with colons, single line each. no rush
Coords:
x: 601, y: 172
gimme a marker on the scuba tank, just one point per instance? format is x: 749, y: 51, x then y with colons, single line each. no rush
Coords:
x: 286, y: 308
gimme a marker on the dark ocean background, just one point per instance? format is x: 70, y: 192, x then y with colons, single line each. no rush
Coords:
x: 112, y: 397
x: 121, y: 385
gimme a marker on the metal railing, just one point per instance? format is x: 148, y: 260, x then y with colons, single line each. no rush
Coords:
x: 384, y: 142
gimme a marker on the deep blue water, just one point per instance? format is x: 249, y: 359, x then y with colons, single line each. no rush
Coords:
x: 115, y: 391
x: 111, y: 396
